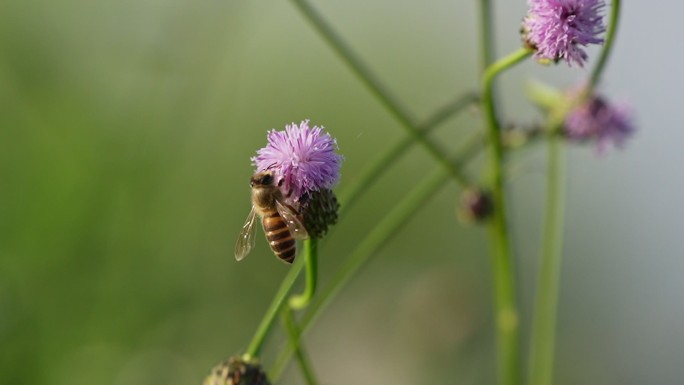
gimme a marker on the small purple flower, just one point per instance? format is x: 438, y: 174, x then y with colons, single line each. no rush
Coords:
x: 303, y: 159
x: 557, y: 29
x: 597, y: 120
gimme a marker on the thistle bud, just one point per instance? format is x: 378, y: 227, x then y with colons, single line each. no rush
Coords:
x: 235, y: 371
x: 319, y: 210
x: 475, y: 206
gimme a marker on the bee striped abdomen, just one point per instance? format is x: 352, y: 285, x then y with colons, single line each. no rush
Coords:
x: 279, y: 237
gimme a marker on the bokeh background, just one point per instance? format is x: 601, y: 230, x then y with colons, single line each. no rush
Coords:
x: 126, y: 129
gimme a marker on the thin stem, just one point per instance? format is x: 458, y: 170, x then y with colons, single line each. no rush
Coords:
x: 506, y: 308
x: 375, y: 86
x: 608, y: 46
x: 375, y: 240
x: 486, y: 34
x: 294, y: 336
x: 254, y: 348
x: 544, y: 321
x: 298, y: 302
x: 542, y: 346
x: 370, y: 174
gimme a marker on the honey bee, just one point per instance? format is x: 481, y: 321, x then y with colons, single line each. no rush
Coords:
x: 278, y: 219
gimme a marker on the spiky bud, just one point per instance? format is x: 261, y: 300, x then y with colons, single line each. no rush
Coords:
x: 235, y: 371
x: 319, y: 211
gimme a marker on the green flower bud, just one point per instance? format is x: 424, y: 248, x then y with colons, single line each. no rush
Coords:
x: 319, y: 210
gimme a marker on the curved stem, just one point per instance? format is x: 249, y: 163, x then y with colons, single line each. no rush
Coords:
x: 506, y: 308
x: 608, y: 46
x: 254, y: 347
x: 298, y: 302
x: 294, y: 335
x: 544, y: 320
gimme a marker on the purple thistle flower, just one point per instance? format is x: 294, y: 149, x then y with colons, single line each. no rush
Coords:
x: 557, y: 29
x: 303, y: 159
x: 597, y: 120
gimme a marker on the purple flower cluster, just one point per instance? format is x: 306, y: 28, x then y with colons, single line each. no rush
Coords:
x: 558, y: 29
x: 597, y: 120
x: 302, y: 159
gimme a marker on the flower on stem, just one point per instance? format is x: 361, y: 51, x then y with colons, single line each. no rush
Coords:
x: 558, y: 29
x: 597, y: 120
x: 302, y: 159
x: 306, y: 166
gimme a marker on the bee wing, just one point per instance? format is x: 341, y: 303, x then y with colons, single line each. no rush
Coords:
x: 295, y: 225
x: 245, y: 241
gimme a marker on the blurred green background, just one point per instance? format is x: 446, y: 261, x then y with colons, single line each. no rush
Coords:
x: 126, y: 129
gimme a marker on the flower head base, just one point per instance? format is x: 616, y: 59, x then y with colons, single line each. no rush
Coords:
x: 557, y: 29
x: 597, y: 120
x: 319, y: 210
x: 302, y: 159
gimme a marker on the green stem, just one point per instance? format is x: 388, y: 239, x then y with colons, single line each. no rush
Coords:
x: 544, y: 319
x: 486, y: 33
x: 298, y: 302
x: 375, y: 86
x: 370, y: 174
x: 506, y: 308
x: 608, y: 46
x: 294, y: 336
x: 377, y: 238
x: 254, y: 348
x: 546, y: 302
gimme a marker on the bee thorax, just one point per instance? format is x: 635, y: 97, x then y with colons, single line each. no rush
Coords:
x: 264, y: 200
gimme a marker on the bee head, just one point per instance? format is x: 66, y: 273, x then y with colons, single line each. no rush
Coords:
x: 264, y: 178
